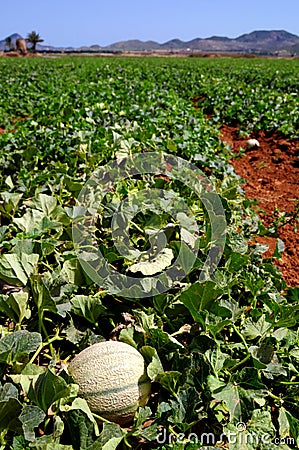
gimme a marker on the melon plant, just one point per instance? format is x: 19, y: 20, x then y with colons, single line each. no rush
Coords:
x: 112, y: 379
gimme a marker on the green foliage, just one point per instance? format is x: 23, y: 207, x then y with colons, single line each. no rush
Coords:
x: 219, y: 353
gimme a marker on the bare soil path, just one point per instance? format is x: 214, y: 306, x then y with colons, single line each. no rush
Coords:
x: 271, y: 172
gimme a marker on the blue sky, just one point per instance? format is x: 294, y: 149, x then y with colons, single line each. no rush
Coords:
x: 79, y: 22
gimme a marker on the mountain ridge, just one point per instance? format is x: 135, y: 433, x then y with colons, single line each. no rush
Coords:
x: 258, y: 42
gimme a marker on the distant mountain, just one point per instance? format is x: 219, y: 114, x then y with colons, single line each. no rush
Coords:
x: 13, y: 37
x: 172, y: 45
x: 134, y: 44
x: 257, y: 42
x: 275, y: 40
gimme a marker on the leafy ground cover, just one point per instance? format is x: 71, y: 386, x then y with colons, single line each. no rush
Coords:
x: 222, y: 355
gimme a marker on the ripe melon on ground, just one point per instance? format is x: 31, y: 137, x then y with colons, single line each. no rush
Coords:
x: 112, y: 378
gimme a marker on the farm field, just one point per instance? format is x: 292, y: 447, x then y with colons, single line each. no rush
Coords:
x: 222, y: 352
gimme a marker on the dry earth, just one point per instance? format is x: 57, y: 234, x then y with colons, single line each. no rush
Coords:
x: 271, y: 172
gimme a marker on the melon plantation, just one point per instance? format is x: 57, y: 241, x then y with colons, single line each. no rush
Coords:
x: 221, y: 351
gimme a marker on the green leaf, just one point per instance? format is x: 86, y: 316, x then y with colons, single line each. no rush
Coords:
x: 44, y: 203
x: 229, y: 394
x: 30, y: 372
x: 46, y: 443
x: 41, y: 294
x: 81, y: 429
x: 155, y: 265
x: 81, y: 423
x: 16, y: 306
x: 15, y: 347
x: 90, y: 308
x: 154, y: 365
x: 169, y: 380
x: 214, y: 384
x: 261, y: 423
x: 47, y: 388
x: 278, y: 249
x: 127, y: 335
x: 142, y: 414
x: 253, y: 330
x: 19, y: 443
x: 216, y: 359
x: 30, y: 417
x: 294, y: 426
x: 284, y: 426
x: 200, y: 297
x: 16, y: 269
x: 237, y: 243
x: 294, y: 353
x: 110, y: 437
x: 10, y: 201
x: 10, y: 407
x: 72, y: 272
x: 30, y: 222
x: 73, y: 334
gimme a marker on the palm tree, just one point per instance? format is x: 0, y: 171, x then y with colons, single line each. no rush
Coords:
x: 9, y: 43
x: 34, y: 38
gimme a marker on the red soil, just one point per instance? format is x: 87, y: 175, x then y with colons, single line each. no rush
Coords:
x: 271, y: 172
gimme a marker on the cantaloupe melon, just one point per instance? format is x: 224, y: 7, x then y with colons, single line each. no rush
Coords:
x: 112, y: 378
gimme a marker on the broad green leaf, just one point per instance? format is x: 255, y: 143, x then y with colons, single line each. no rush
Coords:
x: 10, y: 407
x: 16, y: 306
x: 284, y: 426
x: 81, y: 429
x: 72, y: 272
x: 16, y: 269
x: 162, y: 340
x: 80, y: 419
x: 90, y: 308
x: 44, y: 203
x: 30, y: 222
x: 73, y: 334
x: 294, y: 427
x: 142, y: 414
x: 23, y: 246
x: 169, y: 380
x: 237, y: 243
x: 200, y: 297
x: 154, y: 365
x: 278, y: 249
x: 29, y: 373
x: 47, y: 443
x: 230, y: 395
x: 155, y: 265
x: 253, y: 329
x: 46, y: 389
x: 127, y: 335
x: 10, y: 201
x: 216, y: 359
x: 19, y: 443
x: 16, y: 347
x: 214, y: 384
x: 295, y: 353
x: 261, y: 423
x: 30, y: 417
x: 110, y: 437
x: 147, y: 320
x: 41, y: 295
